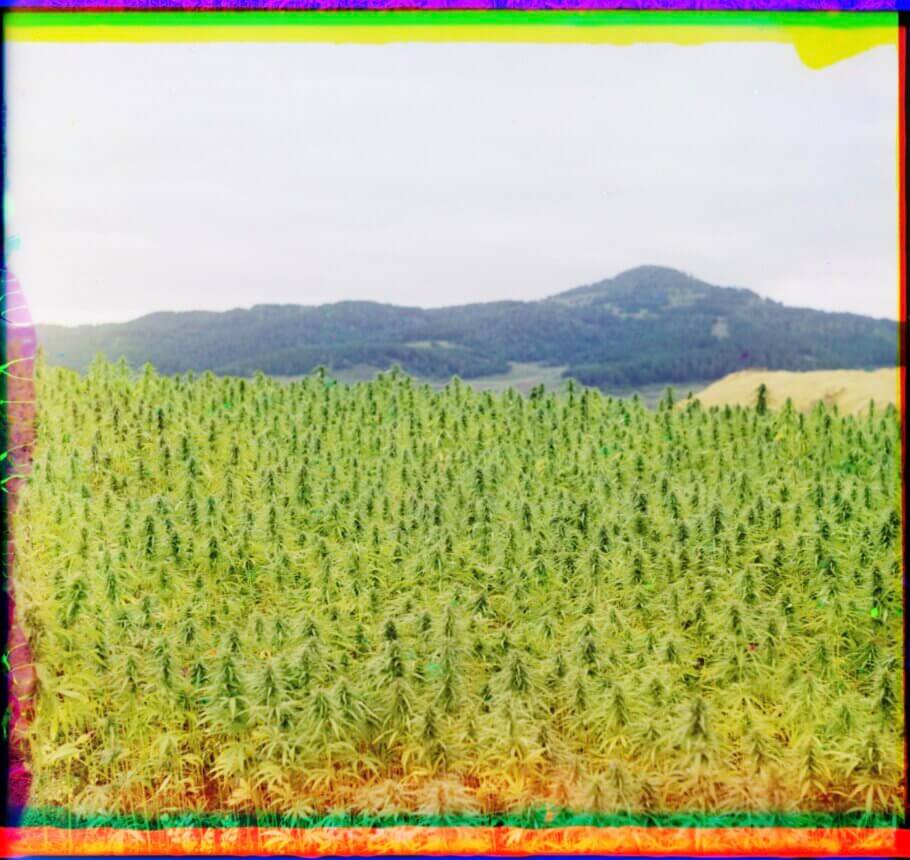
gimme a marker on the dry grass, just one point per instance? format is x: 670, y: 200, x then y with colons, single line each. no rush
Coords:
x: 850, y: 390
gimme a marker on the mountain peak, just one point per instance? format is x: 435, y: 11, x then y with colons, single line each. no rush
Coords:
x: 650, y: 276
x: 647, y: 280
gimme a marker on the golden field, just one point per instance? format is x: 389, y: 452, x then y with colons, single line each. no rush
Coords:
x: 849, y: 390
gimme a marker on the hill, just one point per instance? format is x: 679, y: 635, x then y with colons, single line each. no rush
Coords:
x: 849, y: 390
x: 646, y: 326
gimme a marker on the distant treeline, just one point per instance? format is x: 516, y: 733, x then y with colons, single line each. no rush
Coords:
x: 649, y: 325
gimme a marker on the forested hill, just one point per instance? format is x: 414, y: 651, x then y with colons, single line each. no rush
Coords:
x: 648, y: 325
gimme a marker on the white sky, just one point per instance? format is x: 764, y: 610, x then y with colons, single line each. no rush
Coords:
x: 211, y: 176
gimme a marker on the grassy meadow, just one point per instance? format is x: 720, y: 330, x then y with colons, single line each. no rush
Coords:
x: 313, y: 598
x: 849, y: 390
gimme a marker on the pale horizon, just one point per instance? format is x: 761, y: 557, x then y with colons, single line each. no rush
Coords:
x: 420, y: 307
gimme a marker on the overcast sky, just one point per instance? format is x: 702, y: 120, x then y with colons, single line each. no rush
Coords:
x: 211, y: 176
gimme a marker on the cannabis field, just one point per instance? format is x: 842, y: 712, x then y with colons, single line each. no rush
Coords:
x: 314, y: 598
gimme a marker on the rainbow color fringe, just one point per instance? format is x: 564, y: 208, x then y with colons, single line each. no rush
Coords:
x: 819, y: 38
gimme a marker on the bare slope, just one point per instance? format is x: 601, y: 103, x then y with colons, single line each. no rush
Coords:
x: 851, y: 390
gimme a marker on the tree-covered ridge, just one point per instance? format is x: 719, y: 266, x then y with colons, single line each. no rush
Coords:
x: 649, y: 325
x: 313, y: 598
